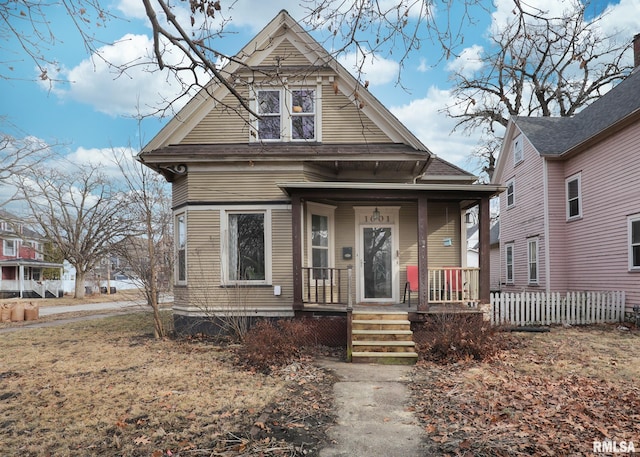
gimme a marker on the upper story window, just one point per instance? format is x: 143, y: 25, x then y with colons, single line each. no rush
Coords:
x: 634, y: 242
x: 511, y: 193
x: 518, y: 150
x: 286, y: 114
x: 574, y: 197
x: 9, y: 248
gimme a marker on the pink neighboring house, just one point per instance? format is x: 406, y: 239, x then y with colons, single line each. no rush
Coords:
x: 570, y: 217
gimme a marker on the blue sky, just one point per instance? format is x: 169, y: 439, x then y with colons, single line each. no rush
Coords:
x: 95, y: 110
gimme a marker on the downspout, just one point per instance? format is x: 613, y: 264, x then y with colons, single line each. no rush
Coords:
x: 547, y: 241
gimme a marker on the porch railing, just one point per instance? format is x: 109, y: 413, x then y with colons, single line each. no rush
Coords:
x: 325, y: 286
x: 329, y: 286
x: 30, y: 285
x: 454, y: 285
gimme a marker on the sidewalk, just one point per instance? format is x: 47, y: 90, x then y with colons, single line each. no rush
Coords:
x: 372, y: 416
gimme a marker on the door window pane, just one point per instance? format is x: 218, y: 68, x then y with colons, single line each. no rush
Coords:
x: 377, y: 262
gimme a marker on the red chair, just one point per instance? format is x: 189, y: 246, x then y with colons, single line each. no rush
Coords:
x: 412, y: 283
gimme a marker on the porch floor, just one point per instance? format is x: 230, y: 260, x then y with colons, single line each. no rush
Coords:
x: 434, y: 308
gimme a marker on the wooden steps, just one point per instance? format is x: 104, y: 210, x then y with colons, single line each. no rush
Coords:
x: 382, y: 337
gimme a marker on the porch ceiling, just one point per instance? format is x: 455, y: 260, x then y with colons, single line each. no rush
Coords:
x: 399, y: 191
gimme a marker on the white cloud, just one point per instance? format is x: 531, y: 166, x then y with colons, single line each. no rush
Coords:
x: 423, y: 67
x: 468, y: 62
x: 376, y: 70
x: 138, y: 89
x: 102, y: 158
x: 424, y: 117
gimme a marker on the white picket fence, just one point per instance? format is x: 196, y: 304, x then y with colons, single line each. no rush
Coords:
x: 539, y: 308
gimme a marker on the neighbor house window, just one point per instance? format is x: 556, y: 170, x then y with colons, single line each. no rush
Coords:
x: 248, y: 247
x: 518, y: 150
x: 286, y: 115
x: 634, y: 242
x: 320, y: 223
x: 533, y: 261
x: 511, y: 193
x: 508, y: 252
x: 181, y: 248
x: 9, y: 248
x: 574, y: 197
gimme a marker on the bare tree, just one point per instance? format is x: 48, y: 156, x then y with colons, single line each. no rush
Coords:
x: 79, y: 211
x: 150, y: 254
x: 538, y: 64
x: 187, y: 36
x: 16, y: 156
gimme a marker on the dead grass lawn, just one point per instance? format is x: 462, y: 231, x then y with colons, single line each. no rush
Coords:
x: 67, y: 300
x: 105, y: 387
x: 550, y: 394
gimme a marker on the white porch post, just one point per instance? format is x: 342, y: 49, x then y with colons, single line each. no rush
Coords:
x: 21, y: 279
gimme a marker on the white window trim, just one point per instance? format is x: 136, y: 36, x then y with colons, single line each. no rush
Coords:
x: 328, y: 211
x: 512, y: 183
x: 14, y: 248
x: 508, y: 246
x: 177, y: 281
x: 578, y: 177
x: 529, y: 243
x: 285, y: 112
x: 224, y: 245
x: 518, y: 150
x: 630, y: 220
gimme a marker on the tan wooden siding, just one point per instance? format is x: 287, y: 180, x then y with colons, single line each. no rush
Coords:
x: 342, y: 122
x: 443, y: 223
x: 238, y: 185
x: 179, y: 190
x: 223, y: 124
x: 286, y: 54
x: 203, y: 291
x: 282, y: 256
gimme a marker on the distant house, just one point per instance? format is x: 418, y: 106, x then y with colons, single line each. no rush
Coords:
x: 570, y: 217
x: 322, y: 201
x: 23, y: 270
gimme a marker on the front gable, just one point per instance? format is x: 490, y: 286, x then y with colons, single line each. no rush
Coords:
x: 284, y: 57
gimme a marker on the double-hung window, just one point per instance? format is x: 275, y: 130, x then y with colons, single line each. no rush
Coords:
x: 574, y: 197
x: 511, y: 193
x: 9, y: 248
x: 246, y: 247
x: 634, y: 242
x: 533, y: 261
x: 518, y: 150
x: 181, y: 248
x: 508, y: 252
x: 286, y: 114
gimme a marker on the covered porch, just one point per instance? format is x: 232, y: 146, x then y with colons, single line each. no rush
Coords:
x: 391, y: 243
x: 26, y: 278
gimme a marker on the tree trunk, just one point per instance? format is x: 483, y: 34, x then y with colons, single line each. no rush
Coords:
x: 79, y: 292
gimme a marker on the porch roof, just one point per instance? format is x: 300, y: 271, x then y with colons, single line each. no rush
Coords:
x: 392, y: 190
x: 29, y: 263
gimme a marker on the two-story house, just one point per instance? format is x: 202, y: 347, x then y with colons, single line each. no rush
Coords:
x: 570, y: 215
x: 23, y: 270
x: 320, y: 200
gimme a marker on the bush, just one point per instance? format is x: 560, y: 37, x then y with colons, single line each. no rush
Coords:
x: 450, y: 338
x: 270, y: 344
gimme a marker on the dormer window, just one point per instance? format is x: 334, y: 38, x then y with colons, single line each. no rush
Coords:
x: 286, y: 114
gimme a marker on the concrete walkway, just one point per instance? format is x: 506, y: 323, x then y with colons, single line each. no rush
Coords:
x: 372, y: 417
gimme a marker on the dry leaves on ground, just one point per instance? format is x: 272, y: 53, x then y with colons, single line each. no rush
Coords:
x: 545, y: 398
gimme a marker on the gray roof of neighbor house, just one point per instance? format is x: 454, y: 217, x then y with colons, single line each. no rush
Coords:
x: 556, y: 136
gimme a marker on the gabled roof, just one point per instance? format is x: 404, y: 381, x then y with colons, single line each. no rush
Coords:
x: 259, y: 48
x: 555, y: 136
